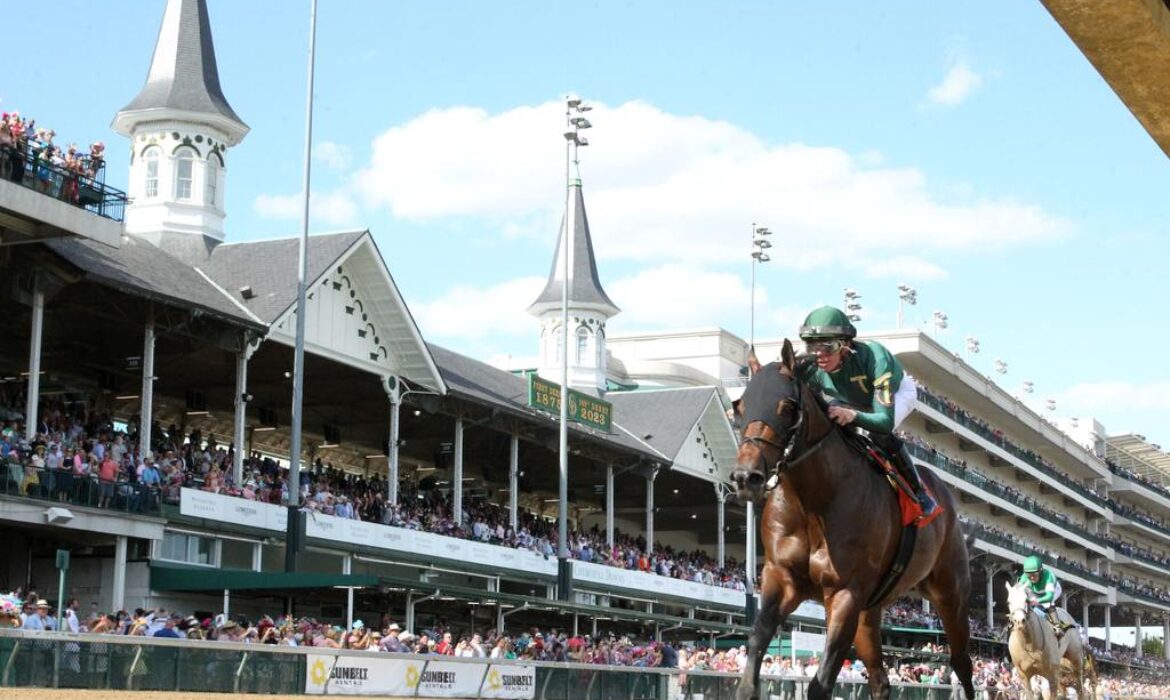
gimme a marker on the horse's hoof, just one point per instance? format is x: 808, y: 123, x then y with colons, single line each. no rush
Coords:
x: 746, y: 693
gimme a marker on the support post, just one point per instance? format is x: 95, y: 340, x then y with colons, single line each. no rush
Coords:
x: 394, y: 392
x: 1137, y: 634
x: 1108, y: 627
x: 650, y: 511
x: 32, y: 404
x: 227, y: 603
x: 721, y: 524
x: 990, y: 595
x: 347, y: 569
x: 257, y: 556
x: 609, y: 507
x: 118, y: 594
x: 147, y: 418
x: 514, y: 482
x: 457, y: 478
x: 240, y: 426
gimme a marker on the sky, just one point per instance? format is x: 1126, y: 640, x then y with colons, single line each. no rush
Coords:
x: 966, y: 149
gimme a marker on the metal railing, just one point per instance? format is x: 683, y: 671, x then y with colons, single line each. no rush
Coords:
x: 64, y: 487
x: 118, y: 662
x: 24, y: 166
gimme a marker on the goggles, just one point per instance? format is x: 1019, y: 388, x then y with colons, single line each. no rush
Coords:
x: 824, y: 347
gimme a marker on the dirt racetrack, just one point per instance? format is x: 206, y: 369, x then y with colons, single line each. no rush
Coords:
x: 71, y: 694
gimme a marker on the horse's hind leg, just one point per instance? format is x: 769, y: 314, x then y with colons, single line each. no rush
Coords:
x: 778, y: 598
x: 949, y: 589
x: 868, y: 642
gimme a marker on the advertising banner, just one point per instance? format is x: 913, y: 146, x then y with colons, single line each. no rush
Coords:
x: 505, y: 681
x: 328, y: 674
x: 608, y: 577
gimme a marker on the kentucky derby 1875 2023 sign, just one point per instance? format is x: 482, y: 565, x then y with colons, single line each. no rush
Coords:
x: 583, y: 408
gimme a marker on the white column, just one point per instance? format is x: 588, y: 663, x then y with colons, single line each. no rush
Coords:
x: 457, y: 478
x: 650, y: 512
x: 227, y: 603
x: 257, y: 556
x: 147, y: 417
x: 118, y: 597
x: 1166, y: 639
x: 347, y: 569
x: 990, y: 595
x: 721, y: 523
x: 1085, y: 614
x: 1137, y: 634
x: 241, y: 414
x: 391, y: 385
x: 34, y: 360
x: 514, y: 482
x: 609, y: 506
x: 1108, y: 627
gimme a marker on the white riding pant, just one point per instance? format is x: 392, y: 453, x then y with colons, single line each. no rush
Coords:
x: 905, y: 399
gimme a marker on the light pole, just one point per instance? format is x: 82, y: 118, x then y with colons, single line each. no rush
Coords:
x: 852, y: 305
x: 940, y: 321
x: 574, y: 124
x: 1001, y: 367
x: 1050, y: 405
x: 906, y: 295
x: 760, y: 243
x: 1028, y: 386
x: 973, y: 348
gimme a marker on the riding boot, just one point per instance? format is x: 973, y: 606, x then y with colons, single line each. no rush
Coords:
x: 1056, y: 622
x: 909, y: 472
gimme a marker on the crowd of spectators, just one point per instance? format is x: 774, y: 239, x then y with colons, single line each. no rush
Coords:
x: 72, y: 459
x: 1141, y: 677
x: 29, y: 157
x: 1158, y: 486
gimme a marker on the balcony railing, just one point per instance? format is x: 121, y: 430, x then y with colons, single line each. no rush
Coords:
x: 66, y: 488
x: 24, y: 167
x: 992, y: 487
x: 962, y: 418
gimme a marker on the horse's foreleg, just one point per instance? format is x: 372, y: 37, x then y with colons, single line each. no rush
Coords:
x: 868, y: 642
x: 949, y: 590
x: 778, y: 598
x: 842, y: 610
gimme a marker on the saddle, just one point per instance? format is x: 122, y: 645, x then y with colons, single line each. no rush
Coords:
x: 883, y: 463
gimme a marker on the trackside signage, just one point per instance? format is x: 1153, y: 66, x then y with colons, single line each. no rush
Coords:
x: 583, y: 408
x: 377, y: 675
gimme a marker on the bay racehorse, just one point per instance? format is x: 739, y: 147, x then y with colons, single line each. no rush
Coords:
x: 1036, y: 651
x: 830, y: 527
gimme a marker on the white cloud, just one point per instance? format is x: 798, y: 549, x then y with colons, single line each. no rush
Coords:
x: 477, y: 313
x: 1098, y: 397
x: 956, y: 86
x: 676, y: 295
x: 661, y: 186
x: 334, y: 156
x: 330, y: 208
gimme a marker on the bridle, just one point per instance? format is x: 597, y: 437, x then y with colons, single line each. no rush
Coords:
x: 788, y: 454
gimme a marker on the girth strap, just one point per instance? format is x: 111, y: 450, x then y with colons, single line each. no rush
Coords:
x: 901, y: 560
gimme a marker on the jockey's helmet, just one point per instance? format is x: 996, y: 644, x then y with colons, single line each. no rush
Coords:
x: 827, y: 323
x: 1033, y: 564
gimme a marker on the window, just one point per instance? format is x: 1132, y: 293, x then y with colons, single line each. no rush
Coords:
x: 189, y: 549
x: 150, y: 186
x: 582, y: 345
x: 184, y: 173
x: 599, y: 346
x: 560, y: 346
x: 211, y: 181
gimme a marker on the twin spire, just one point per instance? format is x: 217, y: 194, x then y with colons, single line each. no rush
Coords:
x: 183, y: 83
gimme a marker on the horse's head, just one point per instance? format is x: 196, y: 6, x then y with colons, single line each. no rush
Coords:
x: 768, y: 415
x: 1018, y: 605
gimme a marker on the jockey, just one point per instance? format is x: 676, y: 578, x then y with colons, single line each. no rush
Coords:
x: 867, y: 387
x: 1043, y: 590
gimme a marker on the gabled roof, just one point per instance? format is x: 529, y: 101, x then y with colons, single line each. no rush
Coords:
x: 149, y: 271
x: 183, y: 75
x: 667, y: 415
x: 584, y: 287
x: 482, y: 383
x: 269, y: 268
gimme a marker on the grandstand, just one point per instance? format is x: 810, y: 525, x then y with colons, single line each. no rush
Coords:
x: 163, y: 352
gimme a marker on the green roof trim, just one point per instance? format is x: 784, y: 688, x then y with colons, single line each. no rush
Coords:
x: 187, y: 578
